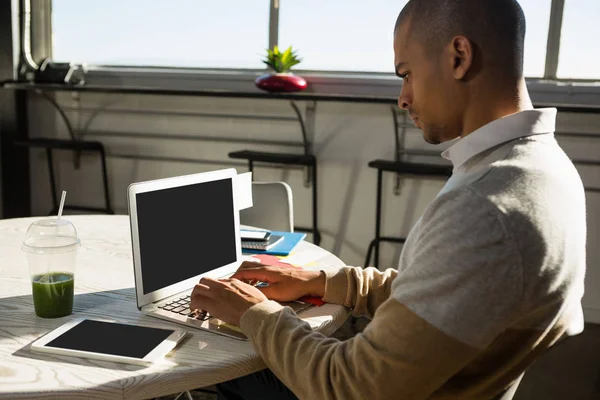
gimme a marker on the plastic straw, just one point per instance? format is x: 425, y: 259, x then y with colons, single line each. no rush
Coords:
x: 62, y: 204
x: 60, y: 210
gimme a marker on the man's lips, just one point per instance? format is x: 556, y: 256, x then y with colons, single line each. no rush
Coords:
x: 415, y: 120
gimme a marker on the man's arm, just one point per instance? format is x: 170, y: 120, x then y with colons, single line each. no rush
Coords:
x: 398, y: 356
x: 461, y: 288
x: 363, y: 290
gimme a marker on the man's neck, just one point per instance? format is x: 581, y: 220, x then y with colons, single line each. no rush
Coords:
x: 485, y: 108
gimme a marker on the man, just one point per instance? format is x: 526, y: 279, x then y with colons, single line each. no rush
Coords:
x: 489, y: 277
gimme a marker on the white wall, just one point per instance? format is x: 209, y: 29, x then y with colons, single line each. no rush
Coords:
x: 347, y: 137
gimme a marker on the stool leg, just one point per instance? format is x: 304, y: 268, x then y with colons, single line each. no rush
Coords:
x: 52, y: 181
x: 378, y: 217
x: 109, y: 209
x: 316, y: 233
x: 369, y: 253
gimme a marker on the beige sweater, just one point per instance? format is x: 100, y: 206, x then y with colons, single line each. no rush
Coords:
x: 489, y: 278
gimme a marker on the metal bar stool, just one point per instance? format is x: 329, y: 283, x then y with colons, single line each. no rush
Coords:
x: 401, y: 168
x: 307, y: 160
x: 77, y: 146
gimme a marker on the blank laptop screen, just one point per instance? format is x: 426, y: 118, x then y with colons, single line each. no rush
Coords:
x: 185, y: 231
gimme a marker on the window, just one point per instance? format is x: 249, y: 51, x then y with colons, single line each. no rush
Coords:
x: 537, y: 17
x: 333, y: 35
x: 579, y: 56
x: 349, y: 35
x: 355, y: 35
x: 185, y: 33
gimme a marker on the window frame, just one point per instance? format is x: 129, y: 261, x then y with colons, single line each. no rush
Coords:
x: 546, y: 90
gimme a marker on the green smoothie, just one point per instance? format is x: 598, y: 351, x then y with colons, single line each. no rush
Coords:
x: 53, y: 294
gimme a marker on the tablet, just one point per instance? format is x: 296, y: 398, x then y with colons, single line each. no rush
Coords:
x: 109, y: 341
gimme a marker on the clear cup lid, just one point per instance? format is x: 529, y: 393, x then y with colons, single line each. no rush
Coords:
x: 51, y: 235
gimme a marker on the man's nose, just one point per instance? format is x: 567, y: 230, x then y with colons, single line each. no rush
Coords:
x: 404, y: 100
x: 403, y: 104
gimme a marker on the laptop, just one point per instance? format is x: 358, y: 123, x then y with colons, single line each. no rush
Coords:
x: 183, y: 229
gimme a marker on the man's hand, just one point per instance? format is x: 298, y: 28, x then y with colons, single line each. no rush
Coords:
x: 285, y: 284
x: 226, y: 299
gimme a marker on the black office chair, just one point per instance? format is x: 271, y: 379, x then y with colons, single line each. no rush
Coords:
x: 401, y: 167
x: 307, y: 159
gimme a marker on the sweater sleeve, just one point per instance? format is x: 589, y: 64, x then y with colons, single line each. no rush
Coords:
x: 458, y: 291
x: 398, y: 356
x: 363, y: 290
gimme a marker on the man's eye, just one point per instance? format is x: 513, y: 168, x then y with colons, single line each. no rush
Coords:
x: 405, y: 76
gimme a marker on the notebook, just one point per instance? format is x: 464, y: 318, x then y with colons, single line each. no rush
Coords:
x: 262, y: 244
x: 284, y: 247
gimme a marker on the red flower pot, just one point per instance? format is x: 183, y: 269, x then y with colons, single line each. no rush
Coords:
x: 282, y: 82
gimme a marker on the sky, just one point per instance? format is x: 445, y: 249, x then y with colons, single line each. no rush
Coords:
x: 329, y: 35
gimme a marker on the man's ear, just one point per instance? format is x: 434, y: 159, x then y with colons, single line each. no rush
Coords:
x: 461, y: 56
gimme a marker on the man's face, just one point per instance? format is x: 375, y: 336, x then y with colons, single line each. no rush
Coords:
x: 427, y: 91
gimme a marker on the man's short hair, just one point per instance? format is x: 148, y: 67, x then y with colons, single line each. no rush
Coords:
x: 496, y: 27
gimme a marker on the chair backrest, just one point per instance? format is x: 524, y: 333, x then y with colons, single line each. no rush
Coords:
x: 273, y: 207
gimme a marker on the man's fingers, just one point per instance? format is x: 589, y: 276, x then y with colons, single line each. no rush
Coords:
x: 239, y: 283
x: 250, y: 264
x: 257, y: 274
x: 200, y: 288
x: 200, y: 302
x: 205, y: 288
x: 267, y: 290
x: 208, y: 281
x: 211, y: 283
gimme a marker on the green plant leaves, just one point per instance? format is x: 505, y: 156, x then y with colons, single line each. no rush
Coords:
x: 281, y: 62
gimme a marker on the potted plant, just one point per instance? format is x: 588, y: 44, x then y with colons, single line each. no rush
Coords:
x: 282, y: 80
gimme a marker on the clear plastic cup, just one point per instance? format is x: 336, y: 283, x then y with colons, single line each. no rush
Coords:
x: 51, y: 246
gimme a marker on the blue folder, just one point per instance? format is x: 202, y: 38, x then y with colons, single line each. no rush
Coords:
x: 283, y: 248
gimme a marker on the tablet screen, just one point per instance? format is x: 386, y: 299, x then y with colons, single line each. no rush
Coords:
x: 111, y: 338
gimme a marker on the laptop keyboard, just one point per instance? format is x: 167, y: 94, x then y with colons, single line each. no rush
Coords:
x: 181, y: 306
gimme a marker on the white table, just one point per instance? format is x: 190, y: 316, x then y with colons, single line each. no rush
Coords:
x: 104, y: 289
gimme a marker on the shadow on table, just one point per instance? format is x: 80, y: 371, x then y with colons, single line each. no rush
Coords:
x: 110, y: 305
x: 201, y: 359
x: 102, y: 302
x: 26, y: 352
